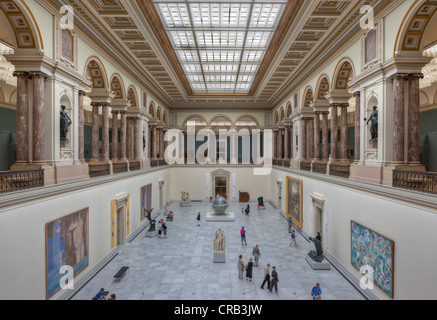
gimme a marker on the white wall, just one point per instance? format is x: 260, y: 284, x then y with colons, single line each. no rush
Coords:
x: 410, y: 226
x: 22, y: 231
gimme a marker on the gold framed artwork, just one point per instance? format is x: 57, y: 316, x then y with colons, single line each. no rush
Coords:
x: 294, y: 201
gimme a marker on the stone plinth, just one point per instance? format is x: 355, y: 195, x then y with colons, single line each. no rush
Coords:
x: 318, y: 265
x: 219, y: 257
x: 151, y: 234
x: 227, y: 217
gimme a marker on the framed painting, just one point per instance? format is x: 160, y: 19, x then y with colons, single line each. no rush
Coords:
x: 146, y: 200
x: 372, y: 249
x: 67, y: 244
x: 294, y: 201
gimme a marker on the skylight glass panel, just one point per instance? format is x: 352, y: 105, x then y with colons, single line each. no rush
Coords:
x: 221, y: 44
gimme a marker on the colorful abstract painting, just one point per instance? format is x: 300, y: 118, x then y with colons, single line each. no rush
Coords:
x: 372, y: 249
x: 294, y: 201
x: 146, y: 200
x: 67, y: 244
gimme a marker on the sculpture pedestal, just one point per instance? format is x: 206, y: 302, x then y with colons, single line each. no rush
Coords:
x: 317, y: 265
x: 219, y: 257
x: 261, y: 208
x: 185, y: 205
x: 227, y: 217
x: 151, y: 234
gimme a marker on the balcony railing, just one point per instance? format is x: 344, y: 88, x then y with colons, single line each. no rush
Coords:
x: 305, y: 166
x: 321, y: 168
x: 417, y: 181
x: 134, y: 166
x: 99, y: 170
x: 21, y: 180
x: 340, y: 170
x: 120, y: 167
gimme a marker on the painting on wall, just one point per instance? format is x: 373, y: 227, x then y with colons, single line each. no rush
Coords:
x: 146, y: 200
x: 294, y: 201
x: 67, y: 244
x: 376, y: 251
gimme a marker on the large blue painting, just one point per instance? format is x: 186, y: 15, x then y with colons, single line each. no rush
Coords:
x: 374, y: 250
x: 67, y: 243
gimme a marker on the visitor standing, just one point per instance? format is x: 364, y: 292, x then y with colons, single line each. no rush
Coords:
x: 247, y: 210
x: 256, y: 254
x: 293, y: 238
x: 274, y: 280
x: 198, y: 219
x: 160, y: 233
x: 243, y: 237
x: 319, y: 237
x: 249, y: 269
x: 316, y: 293
x: 266, y: 276
x: 240, y: 267
x: 164, y: 229
x: 290, y: 223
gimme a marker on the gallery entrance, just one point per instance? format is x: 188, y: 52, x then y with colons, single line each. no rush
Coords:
x: 220, y: 183
x: 121, y: 226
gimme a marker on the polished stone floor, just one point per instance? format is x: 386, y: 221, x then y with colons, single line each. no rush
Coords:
x: 181, y: 267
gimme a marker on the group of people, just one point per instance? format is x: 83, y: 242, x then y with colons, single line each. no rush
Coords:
x: 162, y: 231
x: 246, y: 211
x: 103, y: 295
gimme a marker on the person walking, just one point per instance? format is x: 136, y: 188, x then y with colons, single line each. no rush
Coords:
x: 249, y: 269
x: 240, y: 267
x: 290, y: 223
x: 316, y: 292
x: 247, y: 210
x: 198, y: 219
x: 293, y: 238
x: 266, y: 276
x: 274, y: 280
x: 243, y: 237
x: 164, y: 229
x: 256, y: 254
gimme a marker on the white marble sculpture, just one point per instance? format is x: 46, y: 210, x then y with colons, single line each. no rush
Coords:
x: 219, y: 241
x: 185, y: 201
x: 167, y: 208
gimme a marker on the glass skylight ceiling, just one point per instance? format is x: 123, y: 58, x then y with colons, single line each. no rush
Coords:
x: 220, y: 44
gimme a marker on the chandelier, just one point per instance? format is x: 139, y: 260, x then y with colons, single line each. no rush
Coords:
x: 6, y: 68
x: 430, y: 70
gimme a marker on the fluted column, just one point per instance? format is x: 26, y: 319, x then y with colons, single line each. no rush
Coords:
x: 129, y: 139
x: 22, y: 117
x: 343, y: 128
x: 114, y: 146
x: 38, y: 117
x: 123, y: 136
x: 310, y: 146
x: 105, y: 132
x: 357, y: 126
x: 316, y: 136
x: 286, y: 144
x: 325, y: 137
x: 95, y: 132
x: 81, y: 124
x: 334, y: 133
x: 414, y: 119
x: 398, y: 118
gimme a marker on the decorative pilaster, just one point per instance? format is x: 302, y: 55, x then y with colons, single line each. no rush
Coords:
x: 114, y: 146
x: 129, y: 139
x: 95, y: 132
x: 343, y: 137
x: 286, y: 144
x: 137, y: 138
x: 22, y: 117
x: 303, y: 135
x: 398, y: 118
x: 81, y: 124
x: 325, y: 137
x: 310, y: 145
x: 414, y: 119
x: 105, y: 132
x: 316, y: 136
x: 123, y: 136
x: 38, y: 137
x: 334, y: 132
x: 357, y: 126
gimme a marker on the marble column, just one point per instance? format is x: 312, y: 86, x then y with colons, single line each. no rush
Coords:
x: 258, y: 147
x: 129, y: 139
x: 155, y: 150
x: 398, y: 119
x: 291, y: 142
x: 95, y: 131
x: 123, y: 136
x: 81, y: 124
x: 334, y: 132
x: 303, y: 134
x: 105, y: 132
x: 275, y: 144
x: 234, y: 142
x: 343, y: 128
x: 114, y: 136
x: 414, y: 119
x: 137, y: 138
x: 280, y: 149
x: 357, y: 126
x: 161, y: 145
x: 286, y: 144
x: 310, y: 146
x: 22, y: 117
x: 325, y: 137
x: 38, y: 117
x: 316, y: 136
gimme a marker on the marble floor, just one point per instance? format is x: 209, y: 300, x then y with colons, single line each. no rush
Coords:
x: 181, y: 267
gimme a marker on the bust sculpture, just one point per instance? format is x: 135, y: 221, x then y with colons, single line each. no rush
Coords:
x: 219, y: 241
x: 374, y: 124
x: 317, y: 255
x: 65, y: 123
x: 220, y: 205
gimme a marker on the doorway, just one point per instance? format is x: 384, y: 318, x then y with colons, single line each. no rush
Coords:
x: 121, y: 226
x: 318, y: 222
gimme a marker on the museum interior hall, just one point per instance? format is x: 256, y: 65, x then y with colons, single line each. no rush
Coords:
x: 173, y: 149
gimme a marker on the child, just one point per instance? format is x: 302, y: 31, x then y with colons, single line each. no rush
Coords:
x: 160, y: 232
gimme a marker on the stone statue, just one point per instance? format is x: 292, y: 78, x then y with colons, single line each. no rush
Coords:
x: 186, y: 201
x: 167, y: 208
x: 374, y: 124
x: 152, y: 222
x: 317, y: 255
x: 219, y: 241
x: 65, y: 123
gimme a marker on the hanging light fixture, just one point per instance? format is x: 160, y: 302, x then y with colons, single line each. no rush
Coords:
x: 430, y: 70
x: 6, y: 68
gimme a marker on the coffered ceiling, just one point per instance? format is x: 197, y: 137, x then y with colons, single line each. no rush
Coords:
x: 218, y: 54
